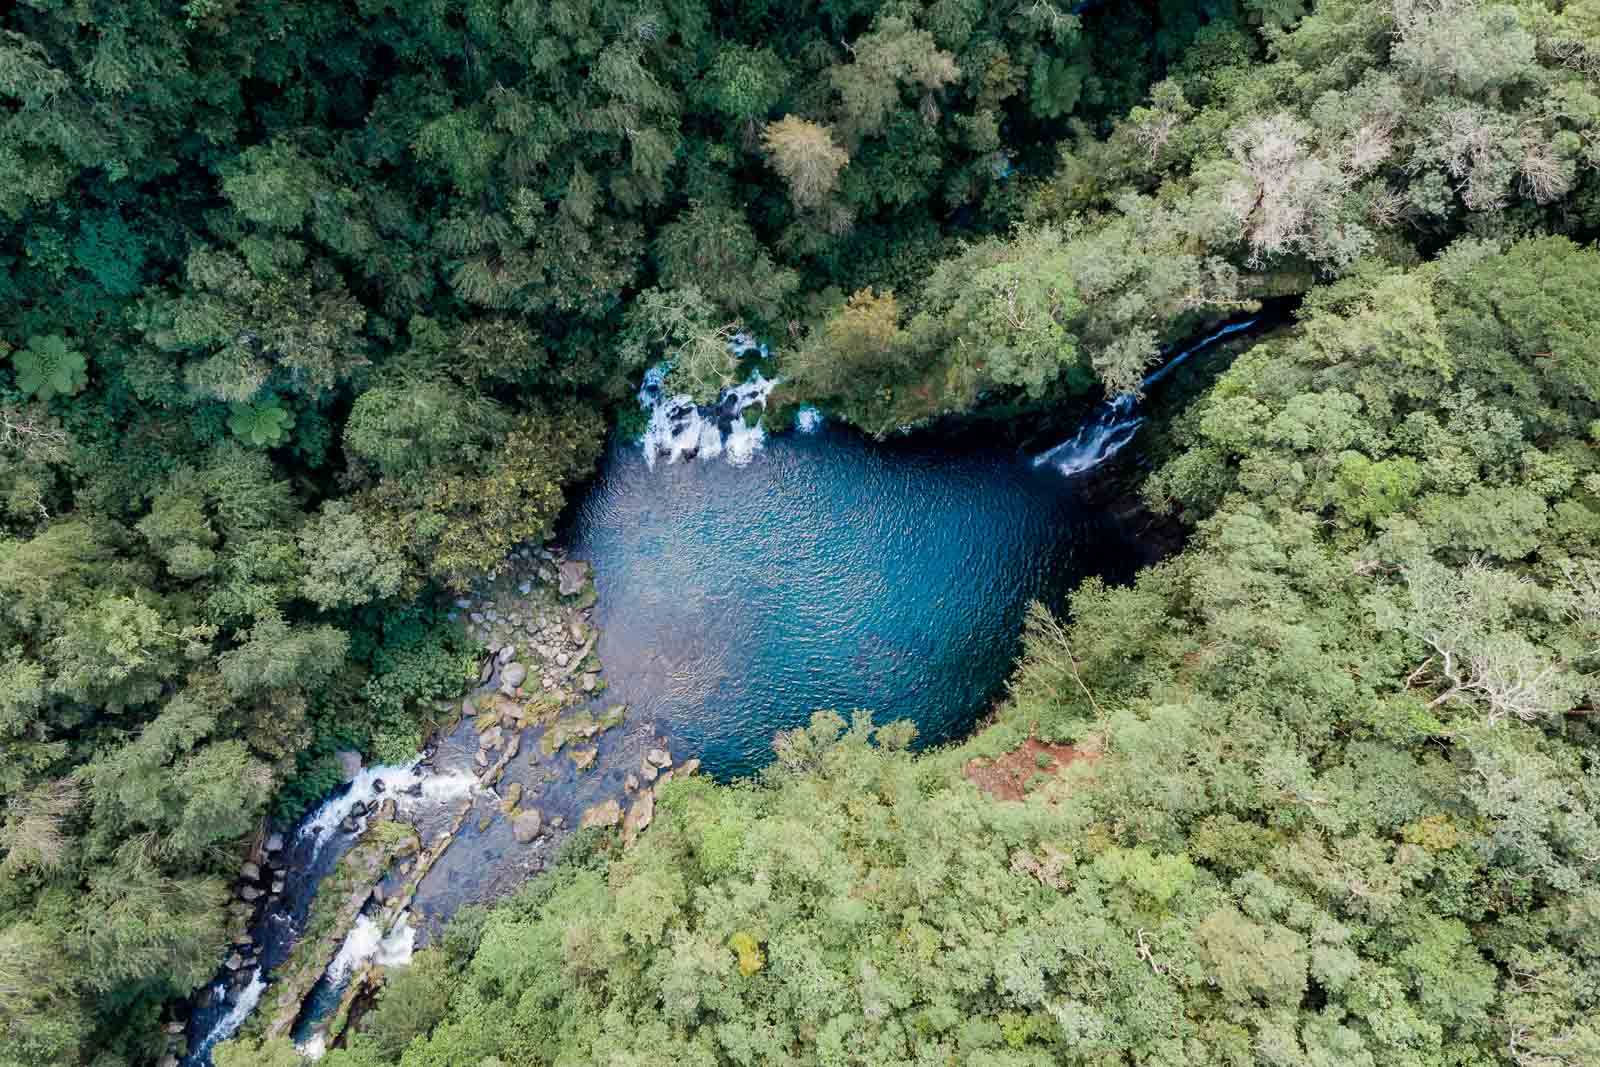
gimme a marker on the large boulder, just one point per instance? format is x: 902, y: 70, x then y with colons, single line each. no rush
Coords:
x: 574, y: 572
x: 250, y: 872
x: 275, y: 843
x: 526, y: 826
x: 640, y: 814
x: 513, y: 675
x: 606, y: 813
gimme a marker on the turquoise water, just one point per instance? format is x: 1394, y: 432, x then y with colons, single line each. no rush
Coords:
x: 827, y: 572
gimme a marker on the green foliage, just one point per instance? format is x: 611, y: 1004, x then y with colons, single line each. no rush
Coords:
x: 448, y: 245
x: 48, y: 368
x: 263, y: 424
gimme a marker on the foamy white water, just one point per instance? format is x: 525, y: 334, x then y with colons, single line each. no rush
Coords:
x: 398, y: 782
x: 1106, y: 433
x: 367, y: 942
x: 1115, y: 422
x: 808, y: 420
x: 229, y: 1024
x: 681, y: 429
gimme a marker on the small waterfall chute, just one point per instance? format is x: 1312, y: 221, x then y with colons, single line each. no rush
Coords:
x: 1116, y: 421
x: 369, y: 942
x: 229, y: 1024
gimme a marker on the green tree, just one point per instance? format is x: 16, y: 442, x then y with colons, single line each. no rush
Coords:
x: 48, y: 367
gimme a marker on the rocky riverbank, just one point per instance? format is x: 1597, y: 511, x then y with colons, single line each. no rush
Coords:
x: 531, y: 754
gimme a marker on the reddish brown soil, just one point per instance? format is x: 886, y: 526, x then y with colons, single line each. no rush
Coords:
x: 1004, y: 776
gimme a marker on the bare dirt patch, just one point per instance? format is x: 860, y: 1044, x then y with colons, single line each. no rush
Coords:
x: 1015, y: 774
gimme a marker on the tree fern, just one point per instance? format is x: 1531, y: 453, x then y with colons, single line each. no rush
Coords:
x: 49, y: 368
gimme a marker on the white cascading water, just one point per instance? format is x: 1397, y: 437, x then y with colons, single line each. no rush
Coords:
x: 226, y: 1026
x: 1115, y: 422
x: 808, y: 420
x: 400, y: 782
x: 365, y: 943
x: 681, y: 429
x: 368, y: 943
x: 1107, y: 431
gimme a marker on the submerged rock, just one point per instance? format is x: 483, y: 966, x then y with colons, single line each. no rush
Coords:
x: 574, y: 572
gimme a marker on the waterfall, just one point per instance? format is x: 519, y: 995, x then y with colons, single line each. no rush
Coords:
x: 1111, y: 427
x: 365, y: 943
x: 368, y: 943
x: 1115, y: 422
x: 410, y: 786
x: 679, y: 428
x: 226, y: 1026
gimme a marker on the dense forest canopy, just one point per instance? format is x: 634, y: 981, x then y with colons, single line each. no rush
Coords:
x: 310, y: 312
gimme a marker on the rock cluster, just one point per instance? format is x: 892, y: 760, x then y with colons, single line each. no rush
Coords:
x: 532, y: 605
x: 656, y: 767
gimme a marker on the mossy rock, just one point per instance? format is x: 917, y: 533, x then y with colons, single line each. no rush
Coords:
x: 542, y: 707
x: 555, y: 736
x: 512, y: 798
x: 486, y: 721
x: 612, y: 717
x: 583, y: 758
